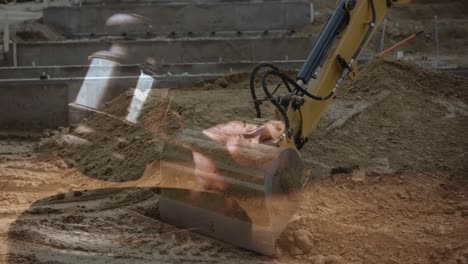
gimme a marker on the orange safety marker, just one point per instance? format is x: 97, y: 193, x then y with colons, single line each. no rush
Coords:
x: 399, y: 44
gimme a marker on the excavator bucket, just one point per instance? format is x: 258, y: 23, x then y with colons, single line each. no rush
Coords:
x: 224, y: 183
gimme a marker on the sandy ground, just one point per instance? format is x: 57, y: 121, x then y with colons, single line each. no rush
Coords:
x: 398, y: 191
x: 52, y: 214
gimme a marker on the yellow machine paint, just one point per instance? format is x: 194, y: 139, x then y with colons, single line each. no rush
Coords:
x: 346, y: 45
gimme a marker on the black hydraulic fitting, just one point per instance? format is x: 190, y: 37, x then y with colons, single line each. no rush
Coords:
x: 350, y: 5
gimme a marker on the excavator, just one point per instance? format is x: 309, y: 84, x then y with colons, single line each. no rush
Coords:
x: 241, y: 182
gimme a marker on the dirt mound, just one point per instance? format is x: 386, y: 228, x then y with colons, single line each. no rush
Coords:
x: 107, y: 147
x: 395, y: 116
x: 386, y: 74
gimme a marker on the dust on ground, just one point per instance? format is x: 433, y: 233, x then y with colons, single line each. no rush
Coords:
x: 392, y: 141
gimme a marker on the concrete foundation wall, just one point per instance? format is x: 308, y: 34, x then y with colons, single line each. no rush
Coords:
x: 55, y: 72
x: 134, y: 70
x: 204, y: 17
x: 27, y: 104
x: 33, y: 105
x: 167, y: 51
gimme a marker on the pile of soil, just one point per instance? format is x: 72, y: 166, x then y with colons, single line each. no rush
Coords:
x: 395, y: 116
x: 398, y: 116
x: 107, y: 147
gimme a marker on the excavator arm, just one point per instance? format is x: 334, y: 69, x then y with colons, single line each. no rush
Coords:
x: 332, y: 59
x: 241, y: 182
